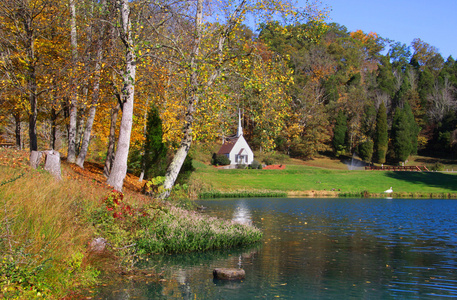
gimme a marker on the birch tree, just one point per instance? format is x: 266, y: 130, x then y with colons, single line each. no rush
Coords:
x: 119, y: 168
x: 99, y: 49
x: 73, y: 97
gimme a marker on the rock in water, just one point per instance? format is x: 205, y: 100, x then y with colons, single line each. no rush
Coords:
x: 229, y: 274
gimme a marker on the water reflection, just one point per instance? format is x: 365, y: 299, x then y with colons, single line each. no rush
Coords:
x: 242, y: 214
x: 321, y: 249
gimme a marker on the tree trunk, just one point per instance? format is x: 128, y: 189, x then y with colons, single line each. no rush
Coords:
x: 33, y: 111
x: 35, y: 158
x: 111, y: 141
x: 32, y: 90
x: 87, y: 132
x: 95, y: 97
x: 143, y: 163
x: 17, y: 120
x: 53, y: 128
x: 117, y: 175
x: 183, y: 150
x: 71, y: 157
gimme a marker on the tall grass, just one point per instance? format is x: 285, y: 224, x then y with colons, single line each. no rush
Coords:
x: 43, y: 240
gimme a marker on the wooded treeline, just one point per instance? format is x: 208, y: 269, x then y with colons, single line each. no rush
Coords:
x: 358, y: 92
x: 95, y: 79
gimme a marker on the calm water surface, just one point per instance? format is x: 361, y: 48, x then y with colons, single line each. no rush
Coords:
x: 318, y: 249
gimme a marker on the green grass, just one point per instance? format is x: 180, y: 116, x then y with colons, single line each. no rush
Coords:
x: 305, y: 179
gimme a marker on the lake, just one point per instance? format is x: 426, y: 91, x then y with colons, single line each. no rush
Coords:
x: 318, y: 249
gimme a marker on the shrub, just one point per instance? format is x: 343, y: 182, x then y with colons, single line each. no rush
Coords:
x: 220, y: 160
x: 437, y: 167
x: 366, y: 150
x: 256, y: 165
x: 268, y: 161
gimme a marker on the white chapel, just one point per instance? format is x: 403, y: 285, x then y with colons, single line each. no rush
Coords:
x: 236, y: 148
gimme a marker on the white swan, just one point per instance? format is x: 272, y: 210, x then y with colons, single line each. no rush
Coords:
x: 389, y: 191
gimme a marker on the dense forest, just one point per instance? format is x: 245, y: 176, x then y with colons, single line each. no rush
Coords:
x: 137, y: 82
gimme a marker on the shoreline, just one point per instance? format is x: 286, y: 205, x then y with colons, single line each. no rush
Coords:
x: 321, y: 194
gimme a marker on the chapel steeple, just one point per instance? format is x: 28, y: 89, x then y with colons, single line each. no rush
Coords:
x: 240, y: 129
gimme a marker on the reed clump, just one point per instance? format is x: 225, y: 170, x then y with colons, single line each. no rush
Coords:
x: 184, y: 231
x: 212, y: 194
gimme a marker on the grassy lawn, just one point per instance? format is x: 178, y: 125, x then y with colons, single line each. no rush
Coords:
x: 308, y: 178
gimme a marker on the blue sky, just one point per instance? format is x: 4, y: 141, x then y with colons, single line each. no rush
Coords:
x: 433, y: 21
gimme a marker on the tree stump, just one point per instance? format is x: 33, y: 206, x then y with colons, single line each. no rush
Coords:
x: 35, y: 158
x: 52, y: 164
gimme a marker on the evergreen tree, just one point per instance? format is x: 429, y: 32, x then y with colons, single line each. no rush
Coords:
x: 401, y: 137
x: 400, y: 95
x: 425, y: 85
x: 385, y: 78
x: 381, y: 135
x: 413, y: 128
x: 155, y: 151
x: 365, y: 150
x: 404, y: 133
x: 339, y: 132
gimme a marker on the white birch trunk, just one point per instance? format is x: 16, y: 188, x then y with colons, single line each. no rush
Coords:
x: 119, y: 170
x: 95, y: 97
x: 192, y: 99
x: 71, y: 157
x: 183, y: 150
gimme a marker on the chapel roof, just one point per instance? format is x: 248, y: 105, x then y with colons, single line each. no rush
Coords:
x: 227, y: 147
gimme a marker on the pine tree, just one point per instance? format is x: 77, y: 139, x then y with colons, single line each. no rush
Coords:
x: 339, y: 132
x: 404, y: 133
x: 155, y: 151
x: 365, y: 150
x: 401, y: 136
x: 413, y: 128
x: 381, y: 135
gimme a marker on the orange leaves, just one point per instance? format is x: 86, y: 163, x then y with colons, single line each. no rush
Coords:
x: 370, y: 42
